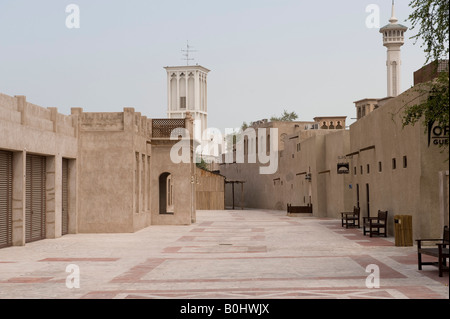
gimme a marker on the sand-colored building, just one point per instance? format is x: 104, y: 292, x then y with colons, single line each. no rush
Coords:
x: 89, y: 172
x: 376, y: 164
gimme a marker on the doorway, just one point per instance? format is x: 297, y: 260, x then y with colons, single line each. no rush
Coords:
x: 35, y: 198
x: 166, y: 205
x: 65, y: 197
x: 5, y: 199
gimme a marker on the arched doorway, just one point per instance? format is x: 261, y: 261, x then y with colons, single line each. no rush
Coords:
x: 166, y: 193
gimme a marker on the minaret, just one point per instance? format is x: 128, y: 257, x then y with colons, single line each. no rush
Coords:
x: 393, y: 39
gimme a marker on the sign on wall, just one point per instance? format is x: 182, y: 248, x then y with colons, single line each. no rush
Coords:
x: 343, y: 168
x: 437, y: 135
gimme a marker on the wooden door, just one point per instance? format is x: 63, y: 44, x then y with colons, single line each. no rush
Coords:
x: 35, y: 198
x: 5, y: 199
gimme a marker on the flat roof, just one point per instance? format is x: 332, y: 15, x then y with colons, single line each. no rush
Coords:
x: 187, y: 67
x: 366, y: 99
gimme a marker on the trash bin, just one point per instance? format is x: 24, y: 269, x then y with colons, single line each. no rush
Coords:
x: 403, y: 230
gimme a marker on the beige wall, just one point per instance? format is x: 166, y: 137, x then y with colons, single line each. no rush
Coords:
x: 288, y: 184
x: 183, y: 177
x: 376, y: 138
x: 120, y: 166
x: 26, y: 128
x: 113, y: 171
x: 413, y: 190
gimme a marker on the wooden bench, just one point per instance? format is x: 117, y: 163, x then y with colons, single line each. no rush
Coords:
x: 374, y: 225
x: 440, y: 252
x: 299, y: 209
x: 351, y: 219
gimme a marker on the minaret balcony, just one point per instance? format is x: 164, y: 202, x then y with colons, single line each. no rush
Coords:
x: 394, y: 40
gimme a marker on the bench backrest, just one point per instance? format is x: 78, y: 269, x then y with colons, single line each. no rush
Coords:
x: 382, y: 215
x: 299, y: 209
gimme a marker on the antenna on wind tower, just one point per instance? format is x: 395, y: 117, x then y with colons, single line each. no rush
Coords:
x: 187, y: 52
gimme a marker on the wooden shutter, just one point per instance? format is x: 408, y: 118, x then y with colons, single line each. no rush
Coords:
x: 65, y: 197
x: 35, y: 198
x: 5, y: 199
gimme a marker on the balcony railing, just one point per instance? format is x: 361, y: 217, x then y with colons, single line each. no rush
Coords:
x: 162, y: 128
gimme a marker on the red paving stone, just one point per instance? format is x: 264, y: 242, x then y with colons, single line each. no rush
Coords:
x: 28, y: 280
x: 79, y: 259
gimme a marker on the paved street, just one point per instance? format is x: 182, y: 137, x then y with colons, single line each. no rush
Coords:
x: 251, y: 254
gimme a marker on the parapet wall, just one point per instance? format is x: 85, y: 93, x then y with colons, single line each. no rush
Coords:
x: 17, y: 110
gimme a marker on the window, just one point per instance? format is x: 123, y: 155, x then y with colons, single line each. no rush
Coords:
x: 368, y: 169
x: 182, y: 102
x: 136, y: 186
x: 142, y: 184
x: 380, y: 167
x: 148, y: 183
x: 405, y: 162
x: 354, y: 170
x: 277, y: 182
x: 361, y: 169
x: 394, y: 163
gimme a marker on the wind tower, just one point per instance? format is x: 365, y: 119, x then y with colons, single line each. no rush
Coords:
x: 187, y: 92
x: 393, y: 39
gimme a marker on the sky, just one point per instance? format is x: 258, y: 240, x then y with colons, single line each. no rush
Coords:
x: 311, y: 57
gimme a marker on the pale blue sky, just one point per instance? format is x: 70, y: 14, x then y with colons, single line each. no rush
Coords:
x: 312, y: 57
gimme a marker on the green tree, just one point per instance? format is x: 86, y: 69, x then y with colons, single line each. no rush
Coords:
x: 431, y: 20
x: 202, y: 164
x: 285, y: 117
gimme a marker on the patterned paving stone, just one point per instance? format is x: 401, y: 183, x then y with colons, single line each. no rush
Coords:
x: 249, y: 254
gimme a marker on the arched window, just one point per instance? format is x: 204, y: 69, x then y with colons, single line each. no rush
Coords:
x: 324, y: 126
x: 331, y: 127
x: 245, y: 145
x: 166, y: 205
x: 394, y: 78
